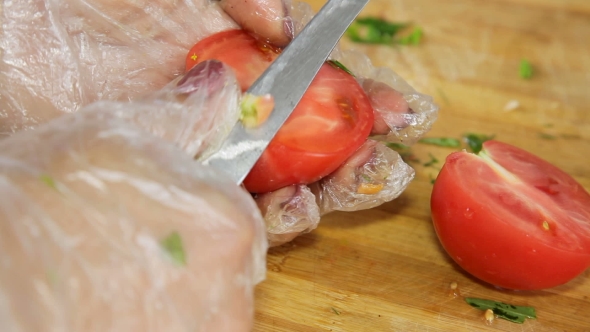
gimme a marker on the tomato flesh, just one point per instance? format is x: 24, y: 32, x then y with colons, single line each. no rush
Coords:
x: 512, y: 219
x: 332, y: 120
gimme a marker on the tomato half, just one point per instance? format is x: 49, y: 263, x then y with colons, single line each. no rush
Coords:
x: 512, y: 219
x: 333, y: 119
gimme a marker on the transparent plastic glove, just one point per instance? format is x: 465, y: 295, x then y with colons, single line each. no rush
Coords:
x: 143, y: 49
x: 106, y: 227
x: 58, y: 56
x: 374, y: 174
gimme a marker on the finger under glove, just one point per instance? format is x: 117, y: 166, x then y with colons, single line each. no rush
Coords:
x: 373, y: 175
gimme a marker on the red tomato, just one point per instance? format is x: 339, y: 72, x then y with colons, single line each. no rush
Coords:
x: 333, y: 119
x: 512, y: 219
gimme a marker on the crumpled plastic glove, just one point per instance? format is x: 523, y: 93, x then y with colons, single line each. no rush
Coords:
x: 374, y: 174
x: 106, y: 226
x: 135, y: 63
x: 143, y: 68
x: 103, y: 224
x: 57, y: 56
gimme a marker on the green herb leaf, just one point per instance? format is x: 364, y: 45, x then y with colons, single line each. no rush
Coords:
x: 432, y: 179
x: 248, y: 107
x: 48, y: 180
x: 338, y: 64
x: 336, y: 311
x: 547, y: 136
x: 431, y: 162
x: 404, y: 152
x: 397, y: 146
x: 366, y: 178
x: 475, y: 141
x: 372, y: 30
x: 525, y: 69
x: 172, y: 244
x: 441, y: 141
x: 413, y: 38
x: 513, y: 313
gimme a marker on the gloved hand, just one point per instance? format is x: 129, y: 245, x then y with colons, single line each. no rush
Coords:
x: 104, y: 226
x: 112, y: 228
x: 59, y: 56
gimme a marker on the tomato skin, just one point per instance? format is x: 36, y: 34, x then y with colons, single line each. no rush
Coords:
x: 332, y: 120
x: 499, y: 222
x: 307, y: 149
x: 237, y: 49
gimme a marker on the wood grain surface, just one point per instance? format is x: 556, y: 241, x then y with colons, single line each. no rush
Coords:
x: 383, y: 269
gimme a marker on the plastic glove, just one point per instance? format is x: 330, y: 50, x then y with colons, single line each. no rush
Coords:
x: 134, y: 63
x: 104, y: 226
x: 57, y: 56
x: 374, y: 174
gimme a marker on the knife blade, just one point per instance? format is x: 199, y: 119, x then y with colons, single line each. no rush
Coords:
x: 286, y: 79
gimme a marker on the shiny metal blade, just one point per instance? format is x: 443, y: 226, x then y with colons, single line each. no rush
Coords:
x: 287, y: 79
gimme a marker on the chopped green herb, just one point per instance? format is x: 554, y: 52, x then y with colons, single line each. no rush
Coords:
x: 48, y: 180
x: 366, y: 178
x: 432, y: 161
x: 432, y: 179
x: 336, y: 311
x: 372, y: 30
x: 475, y: 141
x: 172, y: 244
x: 547, y: 136
x: 441, y: 141
x: 397, y: 146
x: 409, y: 157
x: 413, y: 38
x: 404, y: 152
x: 525, y: 69
x: 338, y: 64
x: 254, y: 110
x: 248, y: 107
x: 513, y: 313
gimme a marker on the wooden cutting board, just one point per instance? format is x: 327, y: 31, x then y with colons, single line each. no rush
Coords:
x: 383, y: 269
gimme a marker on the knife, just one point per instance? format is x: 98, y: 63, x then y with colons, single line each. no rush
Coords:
x: 286, y: 79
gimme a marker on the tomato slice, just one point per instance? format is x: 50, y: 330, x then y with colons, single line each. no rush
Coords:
x: 333, y: 119
x: 511, y: 218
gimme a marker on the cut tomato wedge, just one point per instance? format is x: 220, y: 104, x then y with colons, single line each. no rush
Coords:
x: 333, y: 119
x: 511, y: 218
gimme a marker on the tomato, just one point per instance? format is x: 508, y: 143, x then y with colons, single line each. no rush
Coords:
x: 512, y: 219
x: 333, y: 119
x: 236, y: 48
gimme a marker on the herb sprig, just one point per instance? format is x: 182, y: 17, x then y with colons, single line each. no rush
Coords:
x: 173, y: 246
x: 525, y: 69
x: 513, y: 313
x: 372, y: 30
